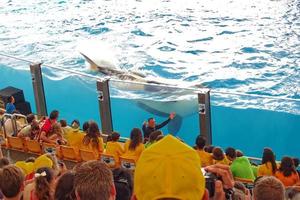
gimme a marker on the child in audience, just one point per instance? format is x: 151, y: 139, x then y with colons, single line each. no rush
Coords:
x: 47, y: 127
x: 134, y: 147
x: 287, y: 173
x: 43, y: 186
x: 219, y: 157
x: 57, y: 135
x: 205, y: 158
x: 85, y: 127
x: 268, y: 165
x: 92, y: 140
x: 114, y: 148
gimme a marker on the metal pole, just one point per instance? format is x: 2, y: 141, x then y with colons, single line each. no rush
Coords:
x: 104, y: 106
x: 38, y: 89
x: 205, y: 116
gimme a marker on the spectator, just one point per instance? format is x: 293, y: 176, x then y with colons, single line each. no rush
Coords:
x: 292, y: 193
x: 268, y: 188
x: 85, y: 127
x: 230, y: 154
x: 219, y: 157
x: 3, y: 162
x: 239, y: 153
x: 30, y: 131
x: 242, y: 169
x: 10, y: 107
x: 92, y: 140
x: 170, y: 170
x: 123, y: 183
x: 46, y: 128
x: 150, y: 126
x: 65, y: 128
x: 94, y: 181
x: 65, y: 187
x: 205, y: 158
x: 209, y: 148
x: 134, y: 147
x: 268, y: 166
x: 287, y: 173
x: 152, y: 138
x: 43, y: 186
x: 296, y: 163
x: 114, y: 147
x: 75, y: 124
x: 56, y: 134
x: 11, y: 182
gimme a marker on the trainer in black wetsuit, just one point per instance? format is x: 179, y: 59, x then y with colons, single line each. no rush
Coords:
x: 151, y: 126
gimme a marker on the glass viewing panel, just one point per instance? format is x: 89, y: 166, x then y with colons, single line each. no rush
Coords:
x: 74, y: 96
x: 133, y: 103
x: 250, y: 123
x: 16, y: 73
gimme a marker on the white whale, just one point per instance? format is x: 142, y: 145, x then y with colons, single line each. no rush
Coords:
x: 102, y: 60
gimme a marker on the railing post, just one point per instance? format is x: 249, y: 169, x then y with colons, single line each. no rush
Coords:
x: 104, y: 106
x: 38, y: 89
x: 204, y: 115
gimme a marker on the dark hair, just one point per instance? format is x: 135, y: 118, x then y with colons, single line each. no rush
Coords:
x: 65, y: 187
x: 154, y: 135
x: 149, y: 119
x: 135, y: 138
x: 42, y: 183
x: 296, y: 162
x: 85, y: 126
x: 63, y: 122
x: 10, y: 99
x: 218, y: 153
x: 92, y: 135
x: 230, y: 152
x: 209, y: 149
x: 287, y: 166
x: 3, y: 162
x: 115, y: 136
x: 54, y: 114
x: 268, y: 156
x: 123, y: 183
x: 29, y: 118
x: 76, y: 121
x: 200, y: 142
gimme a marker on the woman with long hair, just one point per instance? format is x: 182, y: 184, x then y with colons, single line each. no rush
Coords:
x: 268, y: 165
x: 92, y: 140
x: 287, y: 173
x: 134, y: 147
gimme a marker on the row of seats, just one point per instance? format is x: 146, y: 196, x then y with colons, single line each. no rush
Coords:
x: 64, y: 152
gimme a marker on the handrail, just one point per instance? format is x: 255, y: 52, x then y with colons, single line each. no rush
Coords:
x: 201, y: 90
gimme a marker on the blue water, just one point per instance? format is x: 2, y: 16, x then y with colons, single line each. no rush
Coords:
x: 238, y: 46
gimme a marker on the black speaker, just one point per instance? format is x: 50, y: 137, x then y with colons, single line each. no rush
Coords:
x: 11, y: 91
x: 23, y: 107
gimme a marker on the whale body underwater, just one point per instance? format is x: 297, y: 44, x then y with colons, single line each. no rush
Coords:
x: 182, y: 107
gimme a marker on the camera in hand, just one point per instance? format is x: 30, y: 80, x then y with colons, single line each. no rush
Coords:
x: 210, y: 180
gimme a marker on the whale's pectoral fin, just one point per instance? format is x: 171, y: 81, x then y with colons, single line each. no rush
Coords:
x: 175, y: 125
x: 152, y: 110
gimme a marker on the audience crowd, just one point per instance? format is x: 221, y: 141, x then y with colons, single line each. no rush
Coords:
x: 166, y: 167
